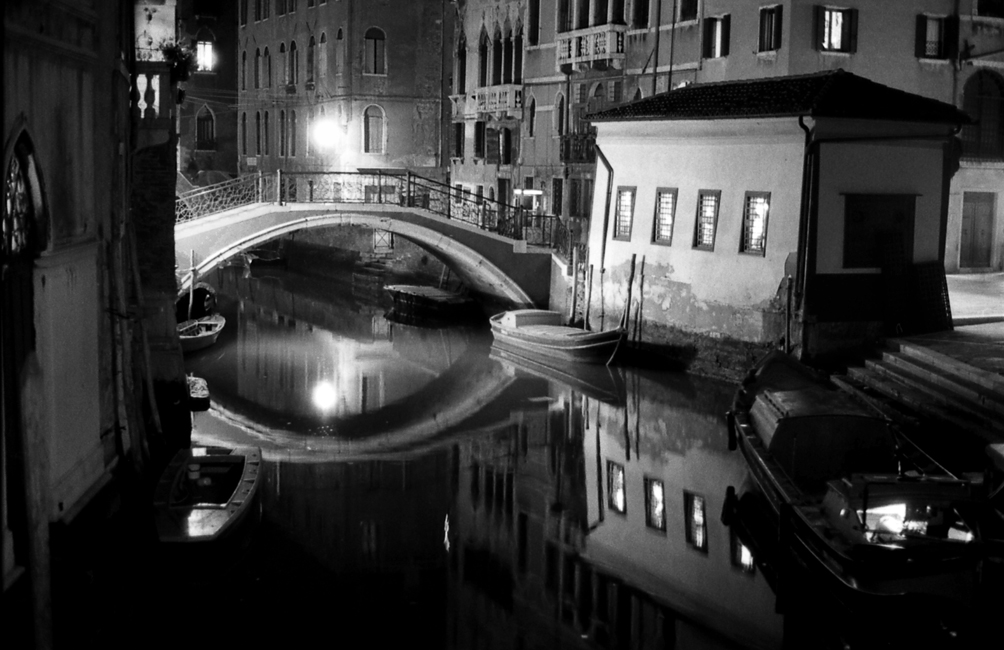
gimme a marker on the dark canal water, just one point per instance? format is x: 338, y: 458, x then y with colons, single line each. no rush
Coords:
x: 421, y: 490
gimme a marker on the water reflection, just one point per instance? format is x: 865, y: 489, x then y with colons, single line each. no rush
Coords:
x: 487, y: 501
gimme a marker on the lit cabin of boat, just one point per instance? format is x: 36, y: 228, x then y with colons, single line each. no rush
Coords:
x: 818, y: 435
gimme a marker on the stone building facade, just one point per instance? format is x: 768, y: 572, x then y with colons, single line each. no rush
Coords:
x: 342, y: 86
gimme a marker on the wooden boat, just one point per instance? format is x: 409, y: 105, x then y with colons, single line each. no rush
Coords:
x: 862, y: 507
x: 206, y: 493
x: 200, y: 333
x: 198, y: 393
x: 541, y: 332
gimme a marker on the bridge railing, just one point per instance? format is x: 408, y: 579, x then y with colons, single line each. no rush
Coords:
x: 408, y: 190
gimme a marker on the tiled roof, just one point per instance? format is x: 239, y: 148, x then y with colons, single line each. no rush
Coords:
x: 835, y: 93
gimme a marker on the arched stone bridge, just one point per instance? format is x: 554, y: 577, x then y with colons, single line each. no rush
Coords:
x: 498, y: 250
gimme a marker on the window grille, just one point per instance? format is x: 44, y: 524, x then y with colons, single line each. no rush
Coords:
x: 625, y: 213
x: 665, y: 213
x: 707, y: 219
x: 755, y: 223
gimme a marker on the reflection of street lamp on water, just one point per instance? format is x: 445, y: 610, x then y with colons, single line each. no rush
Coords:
x: 324, y: 396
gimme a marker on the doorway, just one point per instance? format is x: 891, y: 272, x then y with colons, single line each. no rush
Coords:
x: 976, y: 240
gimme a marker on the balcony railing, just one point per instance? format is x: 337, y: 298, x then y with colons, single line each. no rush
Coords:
x: 593, y: 44
x: 578, y: 148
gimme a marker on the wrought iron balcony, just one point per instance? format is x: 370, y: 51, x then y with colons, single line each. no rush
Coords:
x: 599, y: 44
x: 578, y: 148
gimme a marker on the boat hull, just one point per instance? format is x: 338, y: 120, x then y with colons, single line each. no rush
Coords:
x: 555, y: 342
x: 200, y: 333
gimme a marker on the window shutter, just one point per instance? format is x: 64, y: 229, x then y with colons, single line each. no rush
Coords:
x: 820, y: 26
x: 951, y: 36
x: 707, y: 45
x: 726, y: 20
x: 920, y: 43
x: 777, y: 27
x: 851, y: 27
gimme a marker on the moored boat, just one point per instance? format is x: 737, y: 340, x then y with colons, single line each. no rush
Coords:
x: 205, y: 493
x: 860, y: 504
x: 199, y: 333
x: 541, y: 332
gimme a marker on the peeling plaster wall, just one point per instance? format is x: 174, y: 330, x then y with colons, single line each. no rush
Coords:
x: 722, y: 293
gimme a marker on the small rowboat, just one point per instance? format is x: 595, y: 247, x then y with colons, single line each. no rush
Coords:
x: 540, y: 332
x: 200, y: 333
x: 206, y: 492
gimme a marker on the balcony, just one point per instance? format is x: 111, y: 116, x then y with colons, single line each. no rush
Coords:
x: 591, y: 47
x: 578, y: 148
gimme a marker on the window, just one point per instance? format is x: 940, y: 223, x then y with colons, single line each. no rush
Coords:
x: 266, y: 9
x: 283, y: 64
x: 339, y: 52
x: 244, y: 70
x: 754, y: 238
x: 294, y: 64
x: 624, y: 213
x: 292, y: 133
x: 204, y: 56
x: 564, y: 16
x: 257, y: 134
x: 531, y: 118
x: 741, y: 556
x: 282, y: 133
x: 257, y: 68
x: 322, y: 57
x: 639, y: 13
x: 836, y: 29
x: 460, y: 80
x: 716, y: 37
x: 983, y: 101
x: 533, y: 19
x: 257, y: 9
x: 479, y: 139
x: 876, y: 225
x: 373, y: 130
x: 665, y: 213
x: 695, y: 521
x: 244, y: 12
x: 655, y: 504
x: 308, y: 132
x: 559, y: 115
x: 483, y: 47
x: 497, y: 59
x: 688, y: 10
x: 615, y: 91
x: 707, y: 219
x: 990, y: 8
x: 557, y: 195
x: 616, y: 492
x: 268, y: 68
x: 280, y: 7
x: 205, y: 130
x: 244, y: 133
x: 937, y: 37
x: 506, y: 149
x: 770, y: 29
x: 458, y: 140
x: 264, y: 134
x: 374, y: 62
x: 311, y: 50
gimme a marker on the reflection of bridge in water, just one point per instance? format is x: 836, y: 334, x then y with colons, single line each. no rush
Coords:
x: 500, y: 251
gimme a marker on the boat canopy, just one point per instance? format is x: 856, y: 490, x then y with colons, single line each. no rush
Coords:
x: 818, y: 435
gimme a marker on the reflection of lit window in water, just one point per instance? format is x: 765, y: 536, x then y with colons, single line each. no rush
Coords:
x: 900, y: 521
x: 617, y: 498
x: 696, y: 523
x: 742, y: 556
x: 655, y: 504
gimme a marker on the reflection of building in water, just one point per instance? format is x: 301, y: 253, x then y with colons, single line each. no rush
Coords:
x: 545, y: 544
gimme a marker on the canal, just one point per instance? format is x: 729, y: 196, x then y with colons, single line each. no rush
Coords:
x: 421, y: 488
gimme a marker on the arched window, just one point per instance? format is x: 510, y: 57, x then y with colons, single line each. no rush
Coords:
x: 292, y: 133
x: 460, y: 81
x: 257, y: 68
x: 484, y: 46
x: 375, y: 52
x: 507, y: 59
x: 308, y: 133
x: 257, y: 133
x: 264, y: 133
x: 311, y: 53
x: 294, y: 64
x: 244, y: 70
x: 205, y: 130
x: 497, y: 59
x: 559, y: 114
x: 283, y: 65
x: 983, y: 101
x: 244, y: 133
x: 339, y: 51
x: 268, y: 69
x: 373, y: 130
x: 517, y: 62
x: 282, y: 133
x: 531, y: 117
x: 22, y: 233
x: 322, y: 57
x: 637, y: 94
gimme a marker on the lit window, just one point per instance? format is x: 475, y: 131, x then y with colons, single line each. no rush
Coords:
x: 375, y: 62
x: 707, y: 219
x: 836, y: 29
x: 933, y: 33
x: 625, y: 213
x: 204, y: 55
x: 665, y: 212
x: 770, y: 29
x: 616, y: 496
x: 696, y: 521
x: 716, y: 37
x: 755, y: 223
x: 655, y: 504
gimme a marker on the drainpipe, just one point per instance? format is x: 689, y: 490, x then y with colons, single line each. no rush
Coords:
x: 658, y: 37
x: 606, y: 206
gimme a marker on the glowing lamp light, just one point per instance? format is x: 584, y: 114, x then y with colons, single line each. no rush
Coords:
x: 324, y: 396
x: 326, y: 134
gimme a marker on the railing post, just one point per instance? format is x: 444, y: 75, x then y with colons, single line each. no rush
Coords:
x: 278, y: 186
x: 379, y: 187
x: 310, y: 190
x: 409, y: 199
x: 260, y: 185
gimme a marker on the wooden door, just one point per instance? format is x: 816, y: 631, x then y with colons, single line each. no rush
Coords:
x: 977, y: 229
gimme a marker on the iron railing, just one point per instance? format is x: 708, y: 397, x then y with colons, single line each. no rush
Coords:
x: 407, y: 190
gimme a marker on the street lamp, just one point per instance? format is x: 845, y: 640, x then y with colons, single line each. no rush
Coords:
x: 326, y: 134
